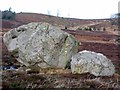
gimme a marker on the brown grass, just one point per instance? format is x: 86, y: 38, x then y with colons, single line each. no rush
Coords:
x: 15, y: 79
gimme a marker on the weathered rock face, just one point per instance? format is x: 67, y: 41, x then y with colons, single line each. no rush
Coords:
x: 41, y: 44
x: 94, y: 63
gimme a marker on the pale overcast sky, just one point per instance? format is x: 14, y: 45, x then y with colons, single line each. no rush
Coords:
x: 83, y: 9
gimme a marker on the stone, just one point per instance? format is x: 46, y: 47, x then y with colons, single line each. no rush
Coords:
x: 93, y: 63
x: 41, y: 44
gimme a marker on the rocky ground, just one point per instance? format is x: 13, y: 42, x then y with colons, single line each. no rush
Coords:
x: 102, y: 42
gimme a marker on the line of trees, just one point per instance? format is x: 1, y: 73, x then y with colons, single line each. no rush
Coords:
x: 8, y: 14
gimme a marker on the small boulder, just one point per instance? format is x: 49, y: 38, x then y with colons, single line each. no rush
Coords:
x: 93, y: 63
x: 41, y: 44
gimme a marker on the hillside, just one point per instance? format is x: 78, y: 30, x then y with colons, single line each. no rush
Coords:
x: 97, y: 40
x: 70, y: 23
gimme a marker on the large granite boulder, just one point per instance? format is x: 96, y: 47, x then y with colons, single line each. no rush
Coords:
x: 91, y: 62
x: 41, y: 44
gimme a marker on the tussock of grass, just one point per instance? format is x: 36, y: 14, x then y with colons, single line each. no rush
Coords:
x: 15, y: 79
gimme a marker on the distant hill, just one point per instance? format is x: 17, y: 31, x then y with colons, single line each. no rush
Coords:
x: 69, y: 23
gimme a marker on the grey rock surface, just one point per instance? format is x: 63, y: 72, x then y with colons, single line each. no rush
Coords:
x: 41, y: 44
x: 94, y: 63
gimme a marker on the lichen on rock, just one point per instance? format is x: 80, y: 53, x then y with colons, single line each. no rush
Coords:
x: 93, y: 63
x: 41, y: 44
